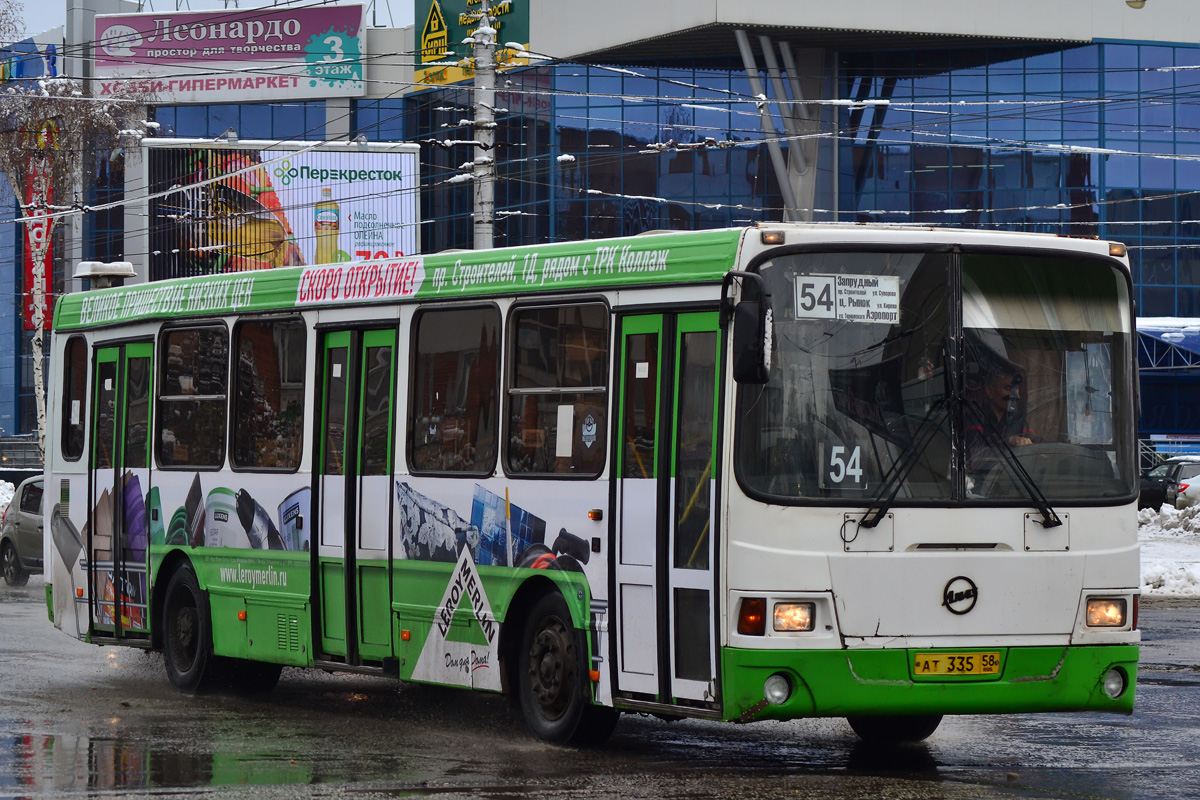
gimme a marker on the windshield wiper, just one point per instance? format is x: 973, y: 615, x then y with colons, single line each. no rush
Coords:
x: 995, y: 437
x: 895, y: 476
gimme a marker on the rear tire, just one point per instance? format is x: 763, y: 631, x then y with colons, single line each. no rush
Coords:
x: 187, y: 634
x: 909, y: 728
x: 553, y: 680
x: 14, y: 575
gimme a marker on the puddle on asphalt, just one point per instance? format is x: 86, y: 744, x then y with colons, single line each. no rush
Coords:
x: 51, y: 764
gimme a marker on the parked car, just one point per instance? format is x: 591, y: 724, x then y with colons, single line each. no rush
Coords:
x: 21, y: 533
x: 1187, y: 492
x: 1159, y: 482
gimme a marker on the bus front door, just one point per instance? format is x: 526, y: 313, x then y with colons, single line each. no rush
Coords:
x: 118, y: 529
x: 666, y: 471
x: 353, y: 594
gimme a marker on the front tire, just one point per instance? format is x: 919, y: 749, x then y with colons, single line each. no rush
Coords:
x: 910, y: 728
x: 187, y: 634
x: 14, y: 575
x: 552, y: 680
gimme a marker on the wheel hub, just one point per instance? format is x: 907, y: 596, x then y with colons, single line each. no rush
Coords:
x: 550, y: 660
x: 183, y: 636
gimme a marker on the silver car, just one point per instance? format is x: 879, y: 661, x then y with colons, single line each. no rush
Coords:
x: 21, y: 533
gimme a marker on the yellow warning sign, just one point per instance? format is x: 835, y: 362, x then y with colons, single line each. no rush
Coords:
x: 434, y: 37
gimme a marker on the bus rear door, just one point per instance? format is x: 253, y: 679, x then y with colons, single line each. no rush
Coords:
x: 666, y: 471
x: 117, y: 536
x: 354, y: 496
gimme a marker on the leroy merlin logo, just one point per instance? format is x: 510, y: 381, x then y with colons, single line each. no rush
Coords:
x: 286, y: 173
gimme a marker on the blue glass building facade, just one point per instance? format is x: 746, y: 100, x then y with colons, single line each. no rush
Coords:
x: 11, y: 323
x: 1100, y: 140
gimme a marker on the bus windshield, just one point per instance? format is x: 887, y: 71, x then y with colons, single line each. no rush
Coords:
x: 862, y: 379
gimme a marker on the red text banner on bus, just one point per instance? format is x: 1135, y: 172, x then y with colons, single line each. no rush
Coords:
x: 661, y: 259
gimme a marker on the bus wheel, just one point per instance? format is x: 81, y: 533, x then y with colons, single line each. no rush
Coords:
x: 553, y: 680
x: 187, y: 640
x: 911, y: 728
x: 13, y: 574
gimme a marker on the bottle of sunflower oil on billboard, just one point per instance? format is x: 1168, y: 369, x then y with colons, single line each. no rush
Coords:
x: 327, y: 225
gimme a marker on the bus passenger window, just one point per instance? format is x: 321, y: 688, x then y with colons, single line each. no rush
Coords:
x: 268, y: 398
x: 455, y: 391
x: 191, y: 399
x: 74, y: 398
x: 559, y: 385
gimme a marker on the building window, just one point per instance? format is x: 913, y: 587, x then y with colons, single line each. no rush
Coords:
x: 268, y: 400
x: 74, y: 399
x: 559, y: 386
x: 192, y: 394
x: 455, y: 391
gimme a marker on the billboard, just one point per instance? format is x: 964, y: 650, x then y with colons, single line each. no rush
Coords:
x: 442, y: 25
x: 32, y: 57
x: 231, y: 56
x: 220, y: 207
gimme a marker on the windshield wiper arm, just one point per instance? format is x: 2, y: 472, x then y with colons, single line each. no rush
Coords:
x: 895, y: 476
x: 995, y: 437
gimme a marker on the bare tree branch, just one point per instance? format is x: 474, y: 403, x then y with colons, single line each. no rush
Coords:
x: 48, y: 128
x: 12, y: 21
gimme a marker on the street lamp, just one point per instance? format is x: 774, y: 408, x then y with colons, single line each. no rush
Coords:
x: 102, y: 273
x: 1135, y: 3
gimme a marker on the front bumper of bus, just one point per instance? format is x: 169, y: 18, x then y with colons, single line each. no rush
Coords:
x: 839, y: 683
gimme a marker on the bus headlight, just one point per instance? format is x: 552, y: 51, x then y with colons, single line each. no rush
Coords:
x: 1106, y: 612
x: 777, y: 689
x: 794, y: 616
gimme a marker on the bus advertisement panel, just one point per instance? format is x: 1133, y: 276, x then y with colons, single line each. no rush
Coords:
x: 218, y: 207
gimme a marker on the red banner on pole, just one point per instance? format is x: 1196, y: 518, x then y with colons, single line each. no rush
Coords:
x: 39, y: 194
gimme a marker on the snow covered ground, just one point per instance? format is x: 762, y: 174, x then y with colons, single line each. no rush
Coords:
x: 1170, y: 552
x: 1170, y: 549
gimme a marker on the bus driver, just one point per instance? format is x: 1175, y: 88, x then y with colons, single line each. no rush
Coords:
x: 996, y: 404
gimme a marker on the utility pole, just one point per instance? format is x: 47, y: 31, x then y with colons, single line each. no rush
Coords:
x: 485, y: 128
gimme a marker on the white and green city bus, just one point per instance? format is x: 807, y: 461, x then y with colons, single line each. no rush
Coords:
x: 775, y: 472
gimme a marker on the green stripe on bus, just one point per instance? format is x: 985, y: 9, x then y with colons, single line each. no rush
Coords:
x: 663, y: 259
x: 839, y: 683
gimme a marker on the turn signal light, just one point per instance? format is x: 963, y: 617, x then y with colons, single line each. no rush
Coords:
x: 241, y: 616
x: 752, y: 619
x: 1116, y: 249
x: 772, y: 237
x: 1106, y: 612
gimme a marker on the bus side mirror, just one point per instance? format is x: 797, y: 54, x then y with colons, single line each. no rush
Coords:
x: 753, y: 327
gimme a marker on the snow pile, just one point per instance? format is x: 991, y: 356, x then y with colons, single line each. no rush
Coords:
x: 6, y: 493
x: 1170, y: 551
